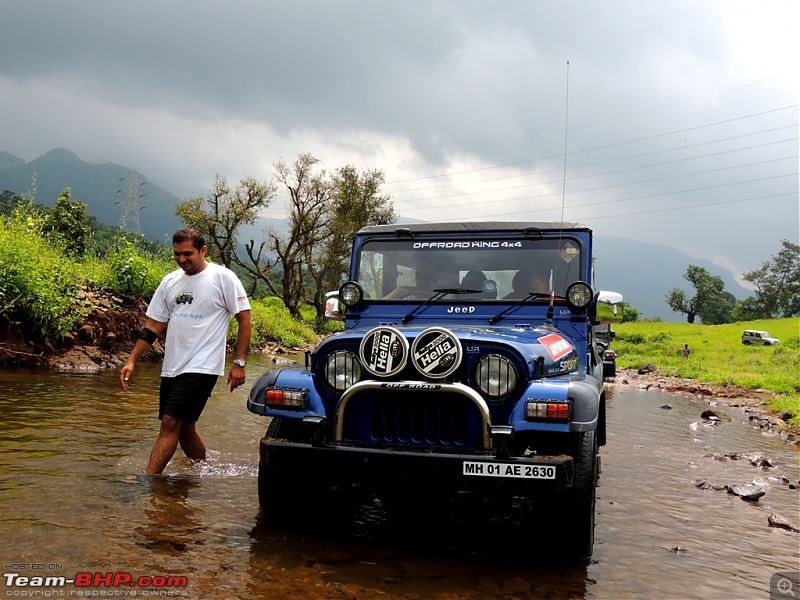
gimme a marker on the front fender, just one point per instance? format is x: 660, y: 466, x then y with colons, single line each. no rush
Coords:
x: 585, y: 394
x: 286, y: 378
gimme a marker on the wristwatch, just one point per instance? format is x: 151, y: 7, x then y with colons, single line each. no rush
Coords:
x: 240, y: 361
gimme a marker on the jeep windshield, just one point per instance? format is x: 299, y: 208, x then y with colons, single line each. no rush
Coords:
x: 469, y: 268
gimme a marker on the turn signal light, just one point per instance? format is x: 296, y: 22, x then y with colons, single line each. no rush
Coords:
x: 277, y: 397
x: 555, y: 411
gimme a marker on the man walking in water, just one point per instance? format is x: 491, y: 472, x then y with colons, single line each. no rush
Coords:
x: 197, y: 302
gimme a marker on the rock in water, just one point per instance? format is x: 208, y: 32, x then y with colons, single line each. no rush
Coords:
x: 747, y: 491
x: 776, y: 520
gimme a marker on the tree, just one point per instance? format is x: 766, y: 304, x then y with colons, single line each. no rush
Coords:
x: 356, y: 204
x: 324, y: 214
x: 220, y: 214
x: 68, y: 221
x: 8, y: 200
x: 777, y: 283
x: 309, y: 215
x: 718, y: 309
x: 709, y: 301
x: 630, y: 314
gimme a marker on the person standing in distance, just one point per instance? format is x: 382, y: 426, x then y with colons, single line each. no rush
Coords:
x: 197, y: 301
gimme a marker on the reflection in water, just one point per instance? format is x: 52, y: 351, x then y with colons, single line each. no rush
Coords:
x: 434, y: 555
x: 73, y: 449
x: 172, y: 524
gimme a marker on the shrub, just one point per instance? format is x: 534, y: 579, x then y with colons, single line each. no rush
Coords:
x: 39, y: 284
x: 631, y: 338
x: 134, y: 271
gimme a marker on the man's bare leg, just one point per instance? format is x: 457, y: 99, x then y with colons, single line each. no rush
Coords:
x: 165, y: 445
x: 192, y: 442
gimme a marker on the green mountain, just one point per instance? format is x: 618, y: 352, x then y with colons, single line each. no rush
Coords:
x: 112, y: 193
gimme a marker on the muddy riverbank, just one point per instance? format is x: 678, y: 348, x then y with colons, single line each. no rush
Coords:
x: 102, y: 340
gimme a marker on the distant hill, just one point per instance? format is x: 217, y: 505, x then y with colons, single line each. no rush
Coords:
x: 644, y: 273
x: 104, y: 188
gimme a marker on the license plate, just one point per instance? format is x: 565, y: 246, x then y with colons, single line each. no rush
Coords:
x: 487, y: 469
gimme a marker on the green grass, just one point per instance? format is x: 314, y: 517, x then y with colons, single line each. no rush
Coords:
x: 718, y: 356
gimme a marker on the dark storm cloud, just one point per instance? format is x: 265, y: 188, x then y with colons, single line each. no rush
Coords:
x: 677, y: 128
x: 420, y: 69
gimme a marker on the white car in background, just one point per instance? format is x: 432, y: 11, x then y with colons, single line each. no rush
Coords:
x: 754, y: 337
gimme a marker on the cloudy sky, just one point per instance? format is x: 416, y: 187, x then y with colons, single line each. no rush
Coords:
x: 672, y: 122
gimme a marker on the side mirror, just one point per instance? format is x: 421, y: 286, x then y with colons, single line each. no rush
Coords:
x: 332, y: 308
x: 609, y: 307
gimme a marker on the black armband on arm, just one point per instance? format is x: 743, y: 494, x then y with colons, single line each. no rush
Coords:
x: 148, y: 335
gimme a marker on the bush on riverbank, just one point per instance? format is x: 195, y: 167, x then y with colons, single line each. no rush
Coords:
x: 39, y: 282
x: 43, y: 288
x: 718, y: 355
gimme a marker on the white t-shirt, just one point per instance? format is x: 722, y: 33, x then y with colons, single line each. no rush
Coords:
x: 198, y: 308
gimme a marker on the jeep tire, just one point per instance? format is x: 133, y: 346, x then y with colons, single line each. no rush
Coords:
x: 580, y: 500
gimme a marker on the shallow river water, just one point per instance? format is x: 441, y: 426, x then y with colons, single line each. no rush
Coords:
x: 73, y: 500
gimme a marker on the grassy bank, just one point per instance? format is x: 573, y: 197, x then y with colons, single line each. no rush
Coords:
x: 718, y: 355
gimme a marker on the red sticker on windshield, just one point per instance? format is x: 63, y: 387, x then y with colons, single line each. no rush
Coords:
x: 555, y: 345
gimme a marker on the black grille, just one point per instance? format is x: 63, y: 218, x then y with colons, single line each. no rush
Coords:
x: 441, y: 420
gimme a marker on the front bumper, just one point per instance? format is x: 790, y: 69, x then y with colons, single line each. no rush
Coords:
x: 378, y: 467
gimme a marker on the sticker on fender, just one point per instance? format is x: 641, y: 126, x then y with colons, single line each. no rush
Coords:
x: 487, y: 469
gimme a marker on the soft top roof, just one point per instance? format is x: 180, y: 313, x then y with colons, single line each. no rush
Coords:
x: 477, y: 226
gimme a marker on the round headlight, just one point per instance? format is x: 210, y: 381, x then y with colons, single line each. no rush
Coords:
x: 579, y: 294
x: 342, y: 370
x: 495, y: 377
x: 350, y: 293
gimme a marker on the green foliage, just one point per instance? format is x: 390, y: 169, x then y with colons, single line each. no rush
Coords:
x: 630, y: 313
x: 710, y: 302
x: 629, y: 338
x: 105, y: 239
x: 134, y: 271
x: 67, y: 222
x: 8, y: 201
x: 39, y: 284
x: 272, y: 323
x: 777, y: 284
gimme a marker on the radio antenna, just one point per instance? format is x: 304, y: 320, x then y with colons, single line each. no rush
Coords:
x: 550, y: 309
x: 566, y: 131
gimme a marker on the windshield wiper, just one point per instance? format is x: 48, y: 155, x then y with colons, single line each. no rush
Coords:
x: 439, y: 293
x: 530, y: 296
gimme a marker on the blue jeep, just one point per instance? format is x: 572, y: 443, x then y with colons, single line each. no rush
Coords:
x: 468, y: 362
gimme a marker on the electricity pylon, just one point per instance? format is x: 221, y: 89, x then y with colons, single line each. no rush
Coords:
x: 129, y: 219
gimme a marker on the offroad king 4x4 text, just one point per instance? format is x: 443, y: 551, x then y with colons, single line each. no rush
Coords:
x: 468, y: 362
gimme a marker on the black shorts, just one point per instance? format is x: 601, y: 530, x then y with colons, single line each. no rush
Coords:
x: 184, y: 397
